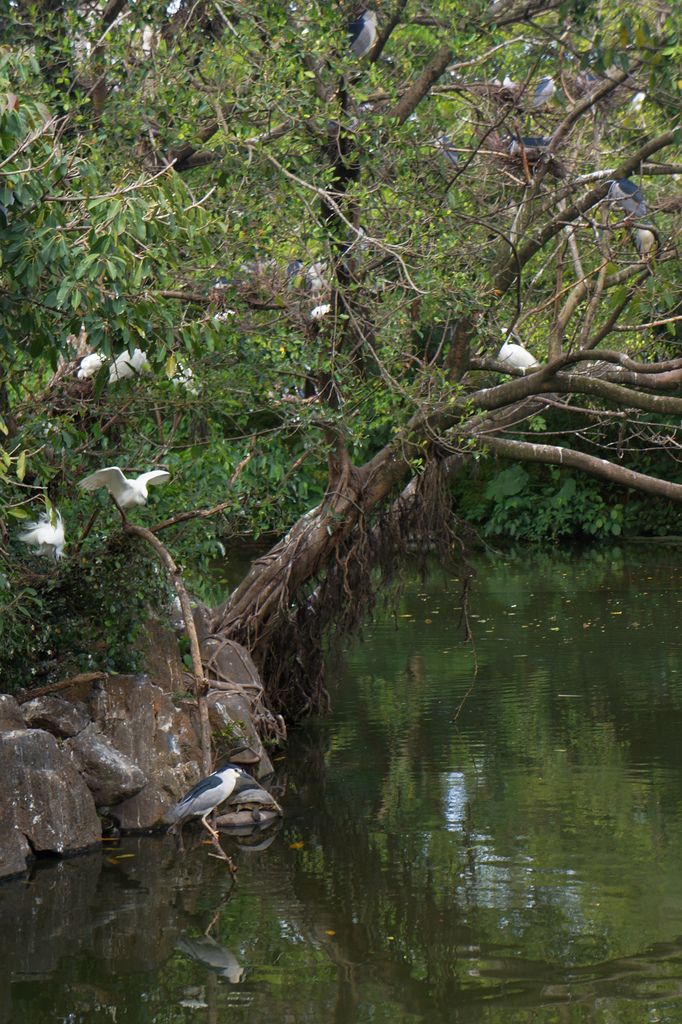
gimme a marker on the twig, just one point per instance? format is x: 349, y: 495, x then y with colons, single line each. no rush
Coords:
x: 175, y: 574
x: 82, y: 677
x: 183, y: 517
x: 88, y: 526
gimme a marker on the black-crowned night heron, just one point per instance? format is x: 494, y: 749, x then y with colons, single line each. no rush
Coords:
x: 543, y: 92
x: 209, y: 793
x: 645, y: 240
x: 516, y: 355
x: 363, y: 32
x: 315, y: 282
x: 294, y: 269
x: 444, y: 145
x: 127, y: 491
x: 47, y: 535
x: 626, y: 194
x: 529, y: 142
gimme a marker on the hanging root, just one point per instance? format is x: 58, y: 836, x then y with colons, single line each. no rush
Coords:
x: 371, y: 561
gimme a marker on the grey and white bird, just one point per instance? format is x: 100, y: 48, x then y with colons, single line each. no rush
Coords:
x: 625, y: 194
x: 209, y: 793
x: 47, y: 535
x: 210, y: 954
x: 517, y: 356
x: 645, y: 240
x: 127, y: 365
x: 637, y: 102
x: 543, y: 92
x: 529, y: 142
x: 363, y: 32
x: 294, y: 269
x: 315, y: 283
x: 445, y: 146
x: 127, y: 491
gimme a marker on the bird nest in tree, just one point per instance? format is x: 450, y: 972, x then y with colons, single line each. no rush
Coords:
x: 510, y: 153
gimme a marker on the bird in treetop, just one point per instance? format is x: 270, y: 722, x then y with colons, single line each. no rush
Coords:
x: 629, y: 197
x: 516, y: 355
x: 645, y: 240
x: 90, y: 365
x: 127, y: 491
x: 47, y: 535
x: 127, y: 365
x: 544, y: 91
x: 363, y: 32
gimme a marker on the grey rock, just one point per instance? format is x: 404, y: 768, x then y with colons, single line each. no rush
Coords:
x: 52, y: 806
x: 231, y: 713
x: 232, y: 663
x: 142, y: 722
x: 110, y: 776
x: 163, y: 663
x: 62, y: 718
x: 11, y: 716
x: 12, y: 856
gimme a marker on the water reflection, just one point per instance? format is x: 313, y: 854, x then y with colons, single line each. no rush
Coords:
x: 522, y: 863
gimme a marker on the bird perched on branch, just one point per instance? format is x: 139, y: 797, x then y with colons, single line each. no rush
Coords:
x: 90, y: 365
x: 127, y: 491
x: 127, y: 365
x: 444, y: 145
x: 529, y: 142
x: 543, y: 92
x: 47, y: 535
x: 363, y: 32
x: 516, y: 355
x: 645, y: 240
x: 629, y: 197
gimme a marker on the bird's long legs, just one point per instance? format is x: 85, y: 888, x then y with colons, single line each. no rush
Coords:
x: 220, y: 855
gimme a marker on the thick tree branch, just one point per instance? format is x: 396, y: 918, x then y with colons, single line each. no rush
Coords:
x: 507, y: 275
x: 419, y: 88
x: 602, y: 468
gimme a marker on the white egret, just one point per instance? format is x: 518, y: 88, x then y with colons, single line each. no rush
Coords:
x: 47, y: 535
x: 517, y: 356
x: 127, y: 365
x: 127, y: 491
x: 90, y: 365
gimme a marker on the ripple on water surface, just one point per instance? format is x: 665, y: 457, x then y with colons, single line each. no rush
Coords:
x: 514, y: 857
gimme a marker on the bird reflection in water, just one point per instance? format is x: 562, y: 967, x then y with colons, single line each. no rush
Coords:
x: 214, y: 957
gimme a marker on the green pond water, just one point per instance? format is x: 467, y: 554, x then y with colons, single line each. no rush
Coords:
x: 522, y: 863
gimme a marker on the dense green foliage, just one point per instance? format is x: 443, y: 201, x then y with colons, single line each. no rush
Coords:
x: 146, y: 153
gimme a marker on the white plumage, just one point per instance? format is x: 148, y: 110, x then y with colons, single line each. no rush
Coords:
x: 637, y: 102
x: 516, y: 355
x: 127, y: 491
x: 90, y: 365
x: 47, y: 535
x: 127, y: 365
x: 320, y: 311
